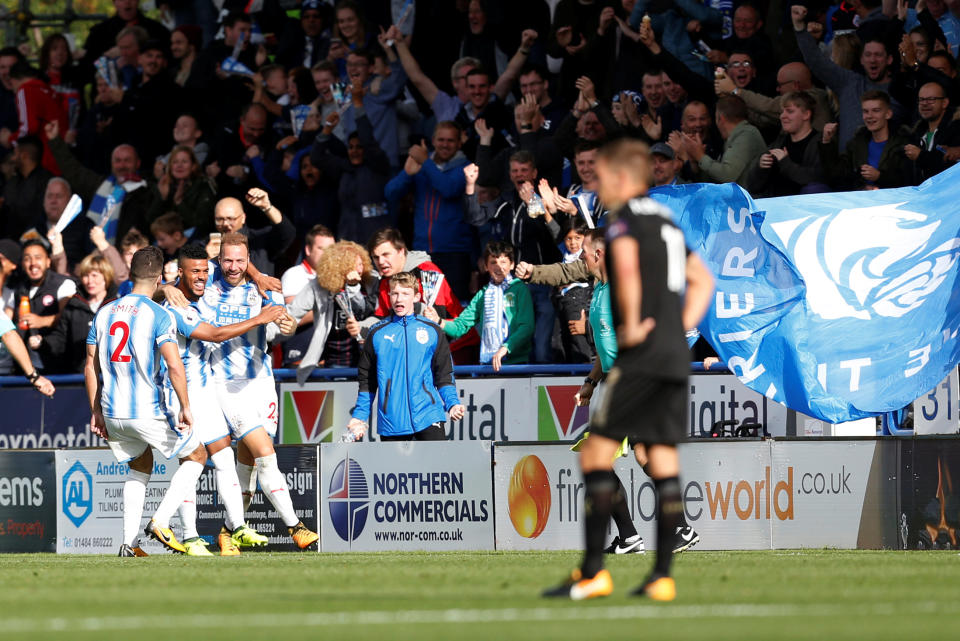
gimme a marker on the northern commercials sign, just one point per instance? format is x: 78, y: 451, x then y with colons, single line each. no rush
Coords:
x: 406, y: 496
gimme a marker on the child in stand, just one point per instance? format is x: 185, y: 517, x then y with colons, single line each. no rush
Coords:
x: 502, y: 312
x: 572, y: 300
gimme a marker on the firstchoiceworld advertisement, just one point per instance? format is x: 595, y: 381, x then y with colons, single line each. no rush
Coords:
x: 737, y: 495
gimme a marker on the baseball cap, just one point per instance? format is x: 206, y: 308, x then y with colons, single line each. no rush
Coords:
x: 10, y: 250
x: 664, y: 150
x: 310, y: 4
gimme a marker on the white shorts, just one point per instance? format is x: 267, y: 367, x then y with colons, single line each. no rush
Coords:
x: 130, y: 437
x: 248, y: 404
x: 208, y: 421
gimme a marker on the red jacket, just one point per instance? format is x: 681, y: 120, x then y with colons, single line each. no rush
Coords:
x: 445, y: 298
x: 38, y: 104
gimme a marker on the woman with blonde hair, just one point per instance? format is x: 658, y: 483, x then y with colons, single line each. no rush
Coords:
x: 184, y: 189
x: 344, y: 288
x: 65, y: 347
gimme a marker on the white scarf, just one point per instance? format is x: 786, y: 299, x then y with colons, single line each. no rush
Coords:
x: 495, y: 326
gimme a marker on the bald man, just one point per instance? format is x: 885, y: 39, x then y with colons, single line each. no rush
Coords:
x: 764, y: 111
x: 266, y: 243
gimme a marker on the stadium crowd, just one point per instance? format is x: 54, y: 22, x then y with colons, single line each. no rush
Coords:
x: 355, y: 141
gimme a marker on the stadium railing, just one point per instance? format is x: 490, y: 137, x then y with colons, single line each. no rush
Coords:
x: 461, y: 371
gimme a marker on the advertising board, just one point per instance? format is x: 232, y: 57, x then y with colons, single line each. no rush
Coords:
x: 28, y: 502
x: 90, y: 501
x: 737, y: 495
x: 539, y: 408
x: 406, y: 496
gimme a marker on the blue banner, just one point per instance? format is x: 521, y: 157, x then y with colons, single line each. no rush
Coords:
x: 839, y: 305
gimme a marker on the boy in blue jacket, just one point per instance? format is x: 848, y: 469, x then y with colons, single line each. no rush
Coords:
x: 408, y: 359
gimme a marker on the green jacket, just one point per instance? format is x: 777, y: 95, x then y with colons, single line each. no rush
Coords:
x: 519, y: 310
x: 560, y: 273
x: 740, y: 149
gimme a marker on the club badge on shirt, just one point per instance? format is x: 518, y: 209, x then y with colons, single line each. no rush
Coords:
x: 422, y: 336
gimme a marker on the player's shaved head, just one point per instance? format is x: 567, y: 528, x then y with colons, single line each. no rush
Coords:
x: 147, y: 264
x: 627, y: 155
x: 623, y: 167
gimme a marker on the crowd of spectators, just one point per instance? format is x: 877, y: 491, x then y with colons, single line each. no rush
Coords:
x: 453, y: 139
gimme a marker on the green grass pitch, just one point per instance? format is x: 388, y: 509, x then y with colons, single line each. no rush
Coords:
x: 810, y: 594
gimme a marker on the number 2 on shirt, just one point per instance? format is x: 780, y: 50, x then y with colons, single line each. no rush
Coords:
x: 118, y: 356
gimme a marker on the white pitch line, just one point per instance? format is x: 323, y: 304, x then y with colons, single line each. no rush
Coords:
x: 499, y: 615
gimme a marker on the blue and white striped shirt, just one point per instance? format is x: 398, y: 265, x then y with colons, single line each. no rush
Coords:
x: 129, y: 333
x: 194, y: 353
x: 247, y: 355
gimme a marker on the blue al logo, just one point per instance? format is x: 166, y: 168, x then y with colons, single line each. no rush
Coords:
x: 77, y: 494
x: 349, y: 499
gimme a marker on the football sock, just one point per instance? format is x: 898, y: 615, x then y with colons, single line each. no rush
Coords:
x: 228, y: 484
x: 683, y: 516
x: 275, y: 487
x: 183, y: 481
x: 668, y: 519
x: 600, y: 486
x: 247, y: 475
x: 134, y: 492
x: 620, y: 512
x: 188, y: 513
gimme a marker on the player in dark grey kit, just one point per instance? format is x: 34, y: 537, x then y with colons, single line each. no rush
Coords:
x: 660, y: 289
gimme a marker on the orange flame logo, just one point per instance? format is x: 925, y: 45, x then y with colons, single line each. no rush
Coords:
x: 528, y: 497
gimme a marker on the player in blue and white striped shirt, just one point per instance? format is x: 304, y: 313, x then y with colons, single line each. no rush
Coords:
x: 244, y: 380
x: 192, y: 332
x: 129, y: 340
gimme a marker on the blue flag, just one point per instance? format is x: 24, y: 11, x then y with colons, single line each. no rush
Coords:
x: 840, y: 305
